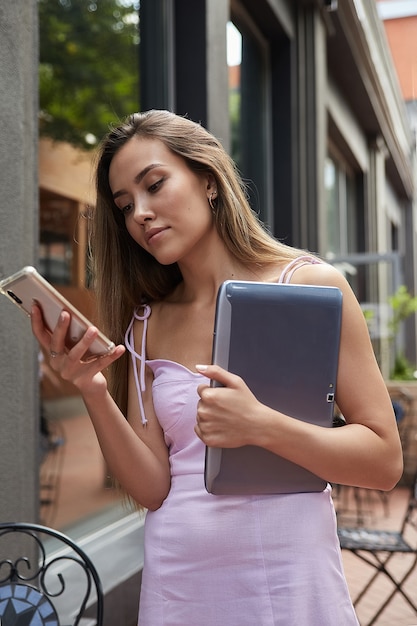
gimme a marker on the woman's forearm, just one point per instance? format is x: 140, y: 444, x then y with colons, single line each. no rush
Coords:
x: 142, y: 472
x: 353, y: 454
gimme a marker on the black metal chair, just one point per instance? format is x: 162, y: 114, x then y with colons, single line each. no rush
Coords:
x: 49, y: 585
x: 378, y: 547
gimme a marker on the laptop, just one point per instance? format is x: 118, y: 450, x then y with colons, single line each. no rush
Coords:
x: 283, y: 340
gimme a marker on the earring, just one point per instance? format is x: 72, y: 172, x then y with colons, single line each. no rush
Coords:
x: 212, y: 197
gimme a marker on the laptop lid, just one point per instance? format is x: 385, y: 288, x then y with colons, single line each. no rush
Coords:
x: 283, y: 340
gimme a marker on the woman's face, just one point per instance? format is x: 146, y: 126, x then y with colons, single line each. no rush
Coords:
x: 165, y: 205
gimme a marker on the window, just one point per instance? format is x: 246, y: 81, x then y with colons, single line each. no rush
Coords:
x: 56, y: 238
x: 249, y: 109
x: 341, y: 211
x: 234, y: 60
x: 88, y: 79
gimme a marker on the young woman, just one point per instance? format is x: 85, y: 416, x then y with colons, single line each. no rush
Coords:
x: 171, y: 223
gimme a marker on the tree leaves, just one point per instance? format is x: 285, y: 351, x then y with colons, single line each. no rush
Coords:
x: 88, y: 70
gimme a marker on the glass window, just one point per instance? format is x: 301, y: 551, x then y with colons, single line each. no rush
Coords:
x: 249, y: 110
x: 234, y: 60
x: 57, y: 222
x: 341, y: 224
x: 55, y: 256
x: 88, y: 80
x: 331, y: 184
x: 341, y: 209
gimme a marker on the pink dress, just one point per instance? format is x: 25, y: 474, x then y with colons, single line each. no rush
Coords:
x: 231, y: 561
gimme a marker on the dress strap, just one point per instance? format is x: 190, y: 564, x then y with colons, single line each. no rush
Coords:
x: 140, y: 381
x: 288, y: 271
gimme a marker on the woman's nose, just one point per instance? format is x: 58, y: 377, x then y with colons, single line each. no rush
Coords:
x: 142, y: 212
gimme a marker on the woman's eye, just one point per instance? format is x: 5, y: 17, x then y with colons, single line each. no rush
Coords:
x: 155, y: 186
x: 125, y: 209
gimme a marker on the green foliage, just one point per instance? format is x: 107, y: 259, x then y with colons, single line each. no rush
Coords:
x: 88, y: 71
x: 403, y: 305
x: 403, y: 369
x: 368, y: 315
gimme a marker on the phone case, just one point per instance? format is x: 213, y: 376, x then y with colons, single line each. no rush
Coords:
x: 28, y: 285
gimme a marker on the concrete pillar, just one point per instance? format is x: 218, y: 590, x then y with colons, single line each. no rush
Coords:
x: 19, y: 236
x: 312, y: 127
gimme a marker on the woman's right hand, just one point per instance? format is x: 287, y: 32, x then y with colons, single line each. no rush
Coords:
x: 86, y: 375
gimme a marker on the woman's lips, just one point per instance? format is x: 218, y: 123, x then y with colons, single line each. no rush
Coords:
x: 153, y: 232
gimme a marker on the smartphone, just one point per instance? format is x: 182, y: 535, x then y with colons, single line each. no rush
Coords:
x: 28, y: 285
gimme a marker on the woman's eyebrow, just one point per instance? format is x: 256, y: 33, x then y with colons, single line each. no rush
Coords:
x: 138, y: 178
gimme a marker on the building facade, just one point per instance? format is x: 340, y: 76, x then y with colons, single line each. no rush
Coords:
x: 400, y: 24
x: 318, y: 127
x: 312, y: 109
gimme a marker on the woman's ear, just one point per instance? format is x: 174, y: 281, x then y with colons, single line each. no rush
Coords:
x: 211, y: 184
x: 211, y: 192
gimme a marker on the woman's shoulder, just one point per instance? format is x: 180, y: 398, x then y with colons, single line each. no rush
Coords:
x: 314, y: 271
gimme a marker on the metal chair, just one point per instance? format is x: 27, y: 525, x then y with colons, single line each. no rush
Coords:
x: 379, y: 547
x: 46, y: 579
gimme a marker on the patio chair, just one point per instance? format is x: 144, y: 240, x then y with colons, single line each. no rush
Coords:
x: 379, y: 548
x: 46, y: 579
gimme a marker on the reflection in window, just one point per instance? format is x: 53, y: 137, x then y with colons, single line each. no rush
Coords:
x: 331, y: 183
x: 58, y: 217
x: 55, y: 255
x: 88, y: 79
x: 341, y: 210
x: 234, y: 59
x: 249, y: 110
x: 341, y: 224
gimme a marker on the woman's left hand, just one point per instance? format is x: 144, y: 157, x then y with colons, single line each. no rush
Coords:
x: 227, y: 414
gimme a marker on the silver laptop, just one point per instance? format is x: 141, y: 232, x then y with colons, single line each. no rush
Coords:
x: 283, y: 340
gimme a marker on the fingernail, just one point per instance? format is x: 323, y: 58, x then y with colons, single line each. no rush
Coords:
x: 201, y: 368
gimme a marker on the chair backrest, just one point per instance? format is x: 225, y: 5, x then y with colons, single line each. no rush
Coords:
x: 410, y: 518
x: 45, y: 575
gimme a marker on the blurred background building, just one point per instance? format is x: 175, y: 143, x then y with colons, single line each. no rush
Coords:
x: 309, y: 102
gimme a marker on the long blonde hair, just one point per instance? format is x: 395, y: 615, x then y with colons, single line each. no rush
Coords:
x: 125, y: 275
